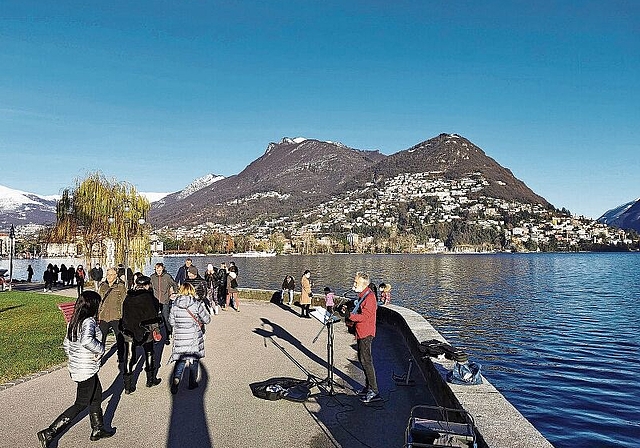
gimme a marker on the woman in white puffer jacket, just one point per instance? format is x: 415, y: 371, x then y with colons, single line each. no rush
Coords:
x: 187, y: 317
x: 84, y: 348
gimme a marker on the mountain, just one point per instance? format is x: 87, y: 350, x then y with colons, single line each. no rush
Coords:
x: 454, y: 157
x: 298, y: 174
x: 20, y: 208
x: 626, y: 216
x: 291, y: 175
x: 198, y: 184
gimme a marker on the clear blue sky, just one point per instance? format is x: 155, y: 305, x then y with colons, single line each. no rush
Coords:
x: 160, y: 93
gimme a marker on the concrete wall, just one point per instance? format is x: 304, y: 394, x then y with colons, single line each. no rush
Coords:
x: 498, y: 423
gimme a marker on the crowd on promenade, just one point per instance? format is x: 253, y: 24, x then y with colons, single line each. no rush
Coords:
x: 144, y: 310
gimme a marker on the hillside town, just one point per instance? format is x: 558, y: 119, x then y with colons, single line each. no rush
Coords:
x: 409, y: 213
x: 415, y: 213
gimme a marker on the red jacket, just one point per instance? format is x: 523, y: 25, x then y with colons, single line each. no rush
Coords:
x: 365, y: 318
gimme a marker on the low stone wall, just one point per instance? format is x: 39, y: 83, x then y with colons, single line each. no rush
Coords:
x: 498, y: 423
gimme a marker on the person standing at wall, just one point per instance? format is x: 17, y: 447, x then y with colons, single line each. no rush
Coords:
x: 29, y: 273
x: 84, y: 349
x: 288, y: 287
x: 305, y: 294
x: 364, y: 316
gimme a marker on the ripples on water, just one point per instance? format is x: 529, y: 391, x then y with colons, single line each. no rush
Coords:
x: 557, y: 334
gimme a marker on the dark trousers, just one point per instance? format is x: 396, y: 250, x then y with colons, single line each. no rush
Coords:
x: 366, y: 360
x: 89, y: 393
x: 131, y: 358
x: 105, y: 326
x: 166, y: 308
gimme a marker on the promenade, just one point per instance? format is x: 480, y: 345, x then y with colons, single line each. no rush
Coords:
x: 222, y: 412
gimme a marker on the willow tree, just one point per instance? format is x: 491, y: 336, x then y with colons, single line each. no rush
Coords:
x: 102, y: 216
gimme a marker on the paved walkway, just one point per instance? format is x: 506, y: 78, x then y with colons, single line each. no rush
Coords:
x: 222, y: 412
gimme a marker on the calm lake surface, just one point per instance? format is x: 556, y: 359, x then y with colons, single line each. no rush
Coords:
x: 557, y: 334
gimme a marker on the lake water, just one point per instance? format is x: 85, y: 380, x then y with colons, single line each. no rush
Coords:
x: 557, y: 334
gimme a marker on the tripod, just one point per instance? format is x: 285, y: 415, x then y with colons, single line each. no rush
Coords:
x: 327, y: 321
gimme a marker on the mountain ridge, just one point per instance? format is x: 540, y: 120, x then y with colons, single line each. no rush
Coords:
x: 625, y: 216
x: 298, y: 173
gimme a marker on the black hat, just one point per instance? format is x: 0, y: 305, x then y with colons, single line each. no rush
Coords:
x: 143, y: 280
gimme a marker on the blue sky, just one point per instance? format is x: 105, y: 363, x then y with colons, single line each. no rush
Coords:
x: 160, y: 93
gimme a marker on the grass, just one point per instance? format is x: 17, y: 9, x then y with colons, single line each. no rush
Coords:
x: 31, y: 333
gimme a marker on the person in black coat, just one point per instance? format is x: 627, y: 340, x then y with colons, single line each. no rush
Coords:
x: 139, y: 319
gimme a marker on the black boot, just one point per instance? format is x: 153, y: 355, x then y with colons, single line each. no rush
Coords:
x: 129, y: 386
x: 46, y: 436
x: 97, y: 426
x: 150, y: 367
x: 151, y: 378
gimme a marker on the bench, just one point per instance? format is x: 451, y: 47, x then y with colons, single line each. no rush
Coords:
x: 67, y: 310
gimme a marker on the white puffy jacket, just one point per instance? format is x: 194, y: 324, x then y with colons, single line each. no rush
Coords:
x: 84, y: 354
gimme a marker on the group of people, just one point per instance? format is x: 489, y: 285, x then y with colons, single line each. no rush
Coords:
x: 182, y: 306
x: 361, y: 318
x: 136, y: 316
x: 67, y: 275
x: 306, y: 295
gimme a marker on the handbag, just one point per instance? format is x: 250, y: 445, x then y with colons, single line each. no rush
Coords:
x: 157, y: 336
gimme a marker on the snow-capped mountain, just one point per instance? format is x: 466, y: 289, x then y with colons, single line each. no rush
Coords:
x: 193, y: 187
x: 20, y: 208
x: 153, y: 197
x: 626, y: 216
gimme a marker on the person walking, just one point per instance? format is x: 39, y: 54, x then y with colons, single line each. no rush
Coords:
x: 139, y: 320
x: 288, y: 288
x: 96, y: 275
x: 80, y: 277
x: 364, y: 318
x: 48, y: 278
x: 305, y: 294
x: 29, y: 273
x: 163, y: 286
x: 113, y: 292
x: 84, y: 349
x: 181, y: 275
x: 187, y: 317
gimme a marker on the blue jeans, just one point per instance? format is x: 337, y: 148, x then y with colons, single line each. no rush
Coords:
x: 181, y: 364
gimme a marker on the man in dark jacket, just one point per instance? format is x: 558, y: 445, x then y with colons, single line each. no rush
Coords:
x: 96, y: 275
x: 139, y: 319
x: 199, y: 284
x: 181, y: 276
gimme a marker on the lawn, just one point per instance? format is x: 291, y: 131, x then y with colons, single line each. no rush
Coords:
x: 31, y: 333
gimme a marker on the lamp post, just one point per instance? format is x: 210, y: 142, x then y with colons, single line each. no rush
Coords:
x: 12, y: 246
